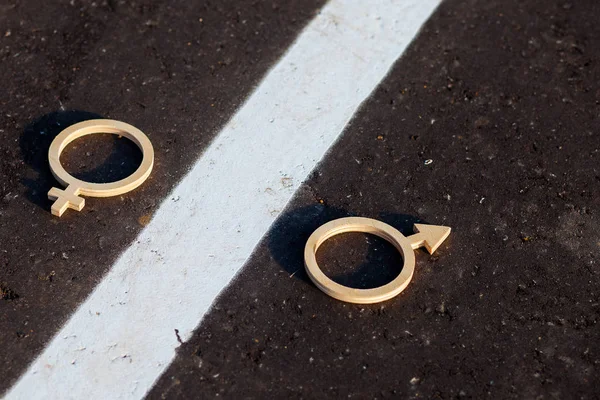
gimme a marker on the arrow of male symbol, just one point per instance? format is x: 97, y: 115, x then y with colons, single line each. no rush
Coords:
x: 428, y: 236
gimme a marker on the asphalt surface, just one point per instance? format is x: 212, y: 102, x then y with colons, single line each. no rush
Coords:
x: 176, y: 70
x: 501, y: 96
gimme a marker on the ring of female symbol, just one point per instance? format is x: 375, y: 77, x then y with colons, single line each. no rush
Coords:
x: 366, y: 225
x: 102, y: 126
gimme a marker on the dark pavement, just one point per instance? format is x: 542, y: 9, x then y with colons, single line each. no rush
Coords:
x: 177, y: 70
x: 503, y: 97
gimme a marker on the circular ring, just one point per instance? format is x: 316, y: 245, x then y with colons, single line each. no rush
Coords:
x: 90, y: 127
x: 366, y: 225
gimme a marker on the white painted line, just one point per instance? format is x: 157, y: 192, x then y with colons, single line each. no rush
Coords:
x: 122, y: 337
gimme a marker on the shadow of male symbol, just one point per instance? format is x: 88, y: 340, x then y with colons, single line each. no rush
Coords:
x: 290, y: 232
x: 292, y: 229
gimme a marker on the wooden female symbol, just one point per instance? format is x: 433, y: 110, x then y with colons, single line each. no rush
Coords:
x: 70, y: 197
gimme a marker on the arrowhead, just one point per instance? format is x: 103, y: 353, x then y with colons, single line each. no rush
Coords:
x: 431, y: 236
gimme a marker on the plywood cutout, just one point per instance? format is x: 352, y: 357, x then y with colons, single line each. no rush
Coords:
x: 75, y: 188
x: 428, y: 236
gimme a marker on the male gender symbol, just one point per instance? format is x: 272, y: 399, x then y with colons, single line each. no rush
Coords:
x: 428, y: 236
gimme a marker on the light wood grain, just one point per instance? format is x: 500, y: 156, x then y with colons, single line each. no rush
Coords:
x: 70, y: 197
x: 430, y: 236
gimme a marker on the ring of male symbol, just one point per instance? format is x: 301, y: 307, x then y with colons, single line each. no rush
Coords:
x: 69, y: 197
x: 428, y: 236
x: 366, y: 225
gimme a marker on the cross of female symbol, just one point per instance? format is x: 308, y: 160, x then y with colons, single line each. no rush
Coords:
x: 68, y: 198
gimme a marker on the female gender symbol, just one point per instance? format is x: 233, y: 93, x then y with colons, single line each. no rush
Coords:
x: 69, y: 198
x: 429, y: 236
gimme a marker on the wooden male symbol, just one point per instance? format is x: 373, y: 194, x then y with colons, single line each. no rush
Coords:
x: 68, y: 198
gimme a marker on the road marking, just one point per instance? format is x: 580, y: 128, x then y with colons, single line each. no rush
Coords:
x: 122, y: 338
